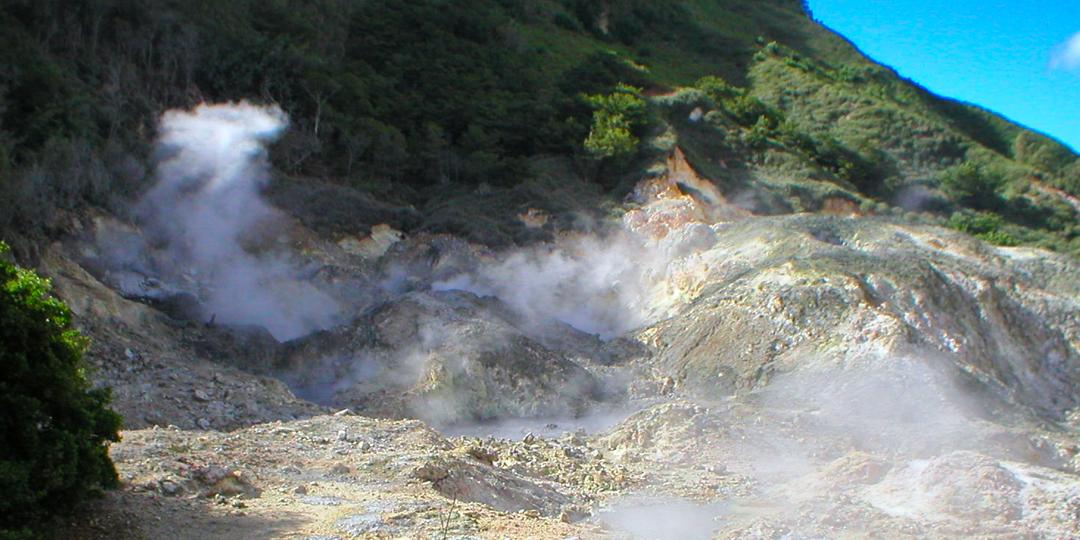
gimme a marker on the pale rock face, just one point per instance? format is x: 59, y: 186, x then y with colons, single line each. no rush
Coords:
x: 374, y: 245
x: 806, y: 292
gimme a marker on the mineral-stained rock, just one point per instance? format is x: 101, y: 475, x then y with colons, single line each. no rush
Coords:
x: 664, y: 432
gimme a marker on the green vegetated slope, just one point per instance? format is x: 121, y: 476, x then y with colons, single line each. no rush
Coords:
x: 444, y: 105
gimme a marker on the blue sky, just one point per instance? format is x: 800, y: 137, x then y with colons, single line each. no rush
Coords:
x: 1020, y: 58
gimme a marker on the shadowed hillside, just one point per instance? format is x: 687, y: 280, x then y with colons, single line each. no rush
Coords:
x: 398, y: 107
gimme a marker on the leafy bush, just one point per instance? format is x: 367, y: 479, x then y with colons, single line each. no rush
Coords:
x: 617, y: 119
x: 791, y: 137
x: 745, y: 109
x: 684, y: 100
x: 970, y: 185
x: 54, y: 429
x: 983, y: 225
x: 757, y: 137
x: 718, y: 89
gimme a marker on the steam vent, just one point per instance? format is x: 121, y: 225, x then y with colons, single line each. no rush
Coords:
x: 551, y: 269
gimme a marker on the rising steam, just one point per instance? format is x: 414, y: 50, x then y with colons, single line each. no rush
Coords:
x: 207, y: 213
x: 606, y: 284
x: 591, y: 285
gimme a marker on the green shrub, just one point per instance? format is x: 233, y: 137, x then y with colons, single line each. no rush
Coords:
x: 970, y: 185
x: 983, y: 225
x: 54, y: 429
x: 684, y: 100
x: 790, y: 136
x: 850, y: 74
x: 748, y: 110
x: 718, y: 89
x: 616, y: 119
x: 757, y: 137
x: 716, y: 120
x: 610, y: 137
x: 745, y: 109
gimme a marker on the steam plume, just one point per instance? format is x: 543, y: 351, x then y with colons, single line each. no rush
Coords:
x: 605, y: 285
x: 207, y: 211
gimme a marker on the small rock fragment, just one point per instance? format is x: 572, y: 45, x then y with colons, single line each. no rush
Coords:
x: 431, y: 472
x: 573, y: 514
x: 170, y: 488
x: 483, y: 455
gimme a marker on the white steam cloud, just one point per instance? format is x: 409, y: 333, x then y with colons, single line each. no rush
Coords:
x: 1067, y: 54
x: 587, y: 283
x: 207, y: 212
x: 605, y: 285
x: 648, y: 518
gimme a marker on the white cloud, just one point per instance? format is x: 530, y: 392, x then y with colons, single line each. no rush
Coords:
x: 1067, y: 55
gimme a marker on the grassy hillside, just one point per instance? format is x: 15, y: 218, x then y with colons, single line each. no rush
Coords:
x: 418, y: 103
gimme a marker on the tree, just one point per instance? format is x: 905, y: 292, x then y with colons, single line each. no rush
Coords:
x: 54, y: 429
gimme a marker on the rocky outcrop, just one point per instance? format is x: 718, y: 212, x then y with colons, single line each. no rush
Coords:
x: 442, y: 356
x: 164, y: 371
x: 816, y: 293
